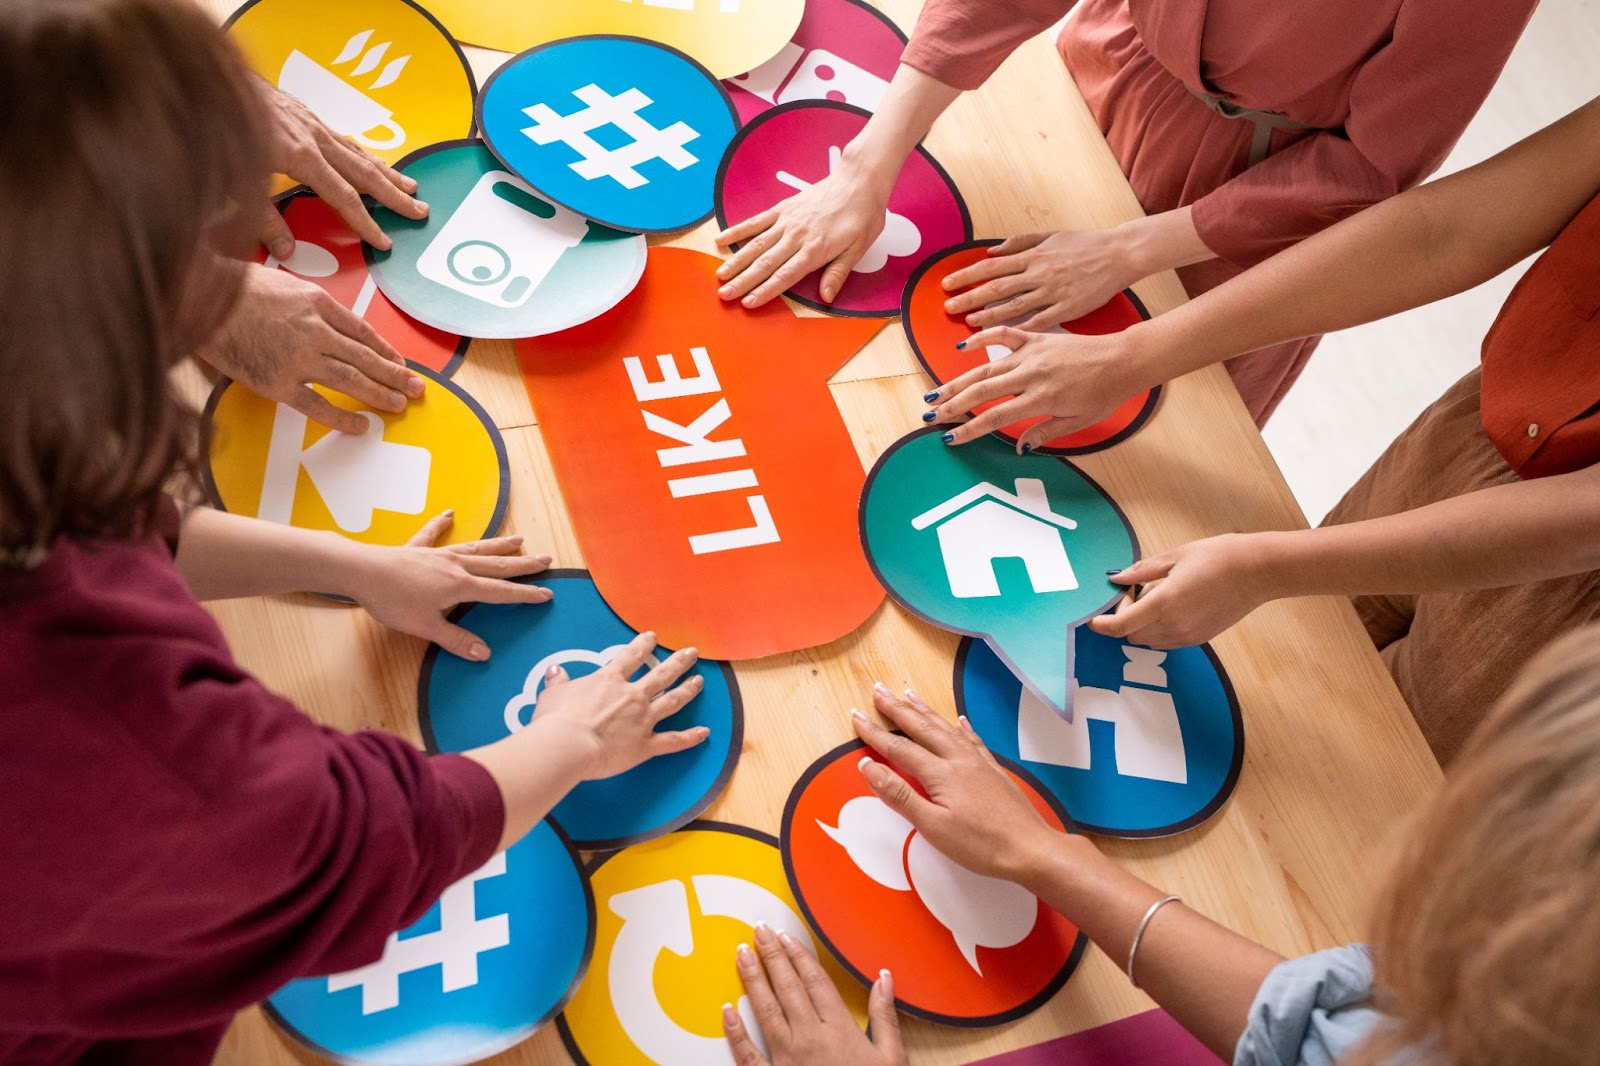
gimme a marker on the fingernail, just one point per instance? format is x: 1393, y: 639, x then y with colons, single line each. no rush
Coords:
x: 879, y: 686
x: 886, y: 979
x: 726, y: 292
x: 415, y: 387
x: 930, y: 397
x: 1026, y: 447
x: 478, y: 652
x: 515, y: 538
x: 857, y: 715
x: 785, y: 939
x: 964, y: 720
x: 910, y: 695
x: 543, y: 560
x: 420, y: 210
x: 950, y: 306
x: 763, y: 934
x: 960, y: 345
x: 929, y: 416
x: 743, y: 953
x: 383, y: 243
x: 750, y: 301
x: 449, y: 512
x: 730, y: 1017
x: 949, y: 282
x: 948, y: 438
x: 282, y: 248
x: 553, y: 672
x: 1112, y: 573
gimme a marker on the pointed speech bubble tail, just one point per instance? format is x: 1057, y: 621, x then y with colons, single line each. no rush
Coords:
x: 1046, y: 666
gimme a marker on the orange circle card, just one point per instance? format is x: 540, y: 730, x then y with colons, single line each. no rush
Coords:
x: 965, y: 950
x: 934, y: 334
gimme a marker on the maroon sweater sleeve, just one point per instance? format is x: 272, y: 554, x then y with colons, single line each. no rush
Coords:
x: 963, y: 42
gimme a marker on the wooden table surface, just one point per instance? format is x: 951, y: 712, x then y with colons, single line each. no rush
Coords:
x: 1332, y: 757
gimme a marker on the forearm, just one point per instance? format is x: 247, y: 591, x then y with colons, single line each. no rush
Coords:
x: 905, y: 115
x: 225, y: 556
x: 1162, y: 242
x: 1506, y: 535
x: 1205, y: 976
x: 535, y: 769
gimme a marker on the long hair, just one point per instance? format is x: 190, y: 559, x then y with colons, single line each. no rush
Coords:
x: 131, y: 162
x: 1487, y: 937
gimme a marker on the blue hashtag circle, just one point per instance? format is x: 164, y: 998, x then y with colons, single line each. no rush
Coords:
x: 624, y: 131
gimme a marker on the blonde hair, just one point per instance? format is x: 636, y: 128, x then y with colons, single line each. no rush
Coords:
x: 1487, y: 936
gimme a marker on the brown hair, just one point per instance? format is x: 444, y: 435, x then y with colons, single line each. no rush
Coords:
x: 1487, y: 938
x: 131, y: 131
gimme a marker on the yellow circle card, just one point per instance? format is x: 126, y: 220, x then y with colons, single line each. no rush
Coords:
x: 384, y: 73
x: 269, y: 461
x: 727, y: 37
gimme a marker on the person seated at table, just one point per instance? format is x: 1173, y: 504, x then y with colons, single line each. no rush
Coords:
x: 1471, y: 542
x: 1242, y: 125
x: 1486, y: 946
x: 177, y: 841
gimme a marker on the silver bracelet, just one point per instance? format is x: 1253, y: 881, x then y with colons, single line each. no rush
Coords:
x: 1138, y: 934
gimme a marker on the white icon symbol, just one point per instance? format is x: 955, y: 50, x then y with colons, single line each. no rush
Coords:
x: 656, y: 918
x: 501, y: 243
x: 310, y: 260
x: 528, y: 698
x: 986, y: 523
x: 351, y: 112
x: 602, y: 109
x: 978, y: 911
x: 726, y: 7
x: 900, y: 236
x: 795, y: 74
x: 1149, y: 740
x: 454, y: 947
x: 354, y: 473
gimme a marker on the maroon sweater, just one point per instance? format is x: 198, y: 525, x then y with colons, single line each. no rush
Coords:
x: 176, y: 841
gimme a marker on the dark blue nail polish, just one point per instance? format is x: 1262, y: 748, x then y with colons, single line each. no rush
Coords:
x: 960, y: 345
x: 949, y: 438
x: 1026, y: 448
x: 930, y: 397
x: 1112, y: 573
x: 929, y: 416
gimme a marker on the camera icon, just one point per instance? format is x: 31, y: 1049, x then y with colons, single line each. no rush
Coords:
x: 501, y: 242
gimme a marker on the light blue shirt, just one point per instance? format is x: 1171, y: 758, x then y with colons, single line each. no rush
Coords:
x: 1310, y: 1011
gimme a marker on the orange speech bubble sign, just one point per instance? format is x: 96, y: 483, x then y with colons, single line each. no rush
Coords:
x: 711, y: 480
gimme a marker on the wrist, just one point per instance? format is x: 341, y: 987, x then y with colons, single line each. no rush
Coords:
x: 1037, y: 858
x: 573, y: 747
x: 1272, y: 564
x: 347, y: 568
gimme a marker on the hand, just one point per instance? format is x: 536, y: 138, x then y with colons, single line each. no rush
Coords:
x: 1191, y: 593
x: 802, y: 1015
x: 1076, y: 380
x: 335, y: 168
x: 286, y: 333
x: 832, y: 222
x: 411, y: 588
x: 1043, y: 279
x: 614, y: 719
x: 974, y: 813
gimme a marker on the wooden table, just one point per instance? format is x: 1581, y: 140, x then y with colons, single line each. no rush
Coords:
x: 1332, y: 757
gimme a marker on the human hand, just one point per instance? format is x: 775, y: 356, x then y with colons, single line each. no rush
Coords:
x: 286, y: 333
x: 335, y: 168
x: 612, y: 719
x: 1191, y: 593
x: 973, y: 812
x: 410, y: 588
x: 1075, y: 380
x: 1039, y: 280
x: 832, y: 222
x: 802, y: 1016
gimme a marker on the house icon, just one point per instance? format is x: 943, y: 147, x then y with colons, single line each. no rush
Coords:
x: 986, y: 523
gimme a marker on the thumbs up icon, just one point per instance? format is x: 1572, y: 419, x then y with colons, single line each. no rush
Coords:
x: 355, y: 474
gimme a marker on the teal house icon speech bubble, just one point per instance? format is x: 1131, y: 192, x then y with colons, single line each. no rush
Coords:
x: 1013, y: 549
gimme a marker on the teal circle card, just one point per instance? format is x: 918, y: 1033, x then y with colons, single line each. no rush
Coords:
x: 621, y: 130
x: 492, y: 961
x: 1154, y: 746
x: 1012, y: 548
x: 493, y: 258
x: 465, y: 705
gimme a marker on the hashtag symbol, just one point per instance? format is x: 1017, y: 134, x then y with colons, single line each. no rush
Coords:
x: 454, y: 947
x: 603, y: 109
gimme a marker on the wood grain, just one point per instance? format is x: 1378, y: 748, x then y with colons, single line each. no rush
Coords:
x: 1333, y: 758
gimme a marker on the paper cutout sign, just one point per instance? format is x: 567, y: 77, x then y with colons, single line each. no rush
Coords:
x: 1155, y: 743
x: 727, y: 36
x: 622, y: 131
x: 670, y: 914
x: 934, y: 334
x: 381, y: 72
x: 965, y: 949
x: 708, y: 473
x: 328, y: 253
x: 492, y: 259
x: 845, y: 50
x: 269, y: 461
x: 1153, y: 1038
x: 792, y: 147
x: 491, y: 962
x: 1014, y: 549
x: 464, y: 705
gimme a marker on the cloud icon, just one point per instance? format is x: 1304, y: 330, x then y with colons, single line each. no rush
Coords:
x: 528, y: 698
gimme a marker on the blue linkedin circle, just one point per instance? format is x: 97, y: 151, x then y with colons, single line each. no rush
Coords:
x: 1155, y: 744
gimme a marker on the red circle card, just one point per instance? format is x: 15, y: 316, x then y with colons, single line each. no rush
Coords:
x: 934, y: 334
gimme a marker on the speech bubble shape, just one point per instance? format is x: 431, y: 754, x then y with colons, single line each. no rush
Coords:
x: 705, y: 466
x: 965, y: 950
x: 384, y: 73
x: 981, y: 541
x: 792, y: 147
x: 934, y: 334
x: 845, y: 50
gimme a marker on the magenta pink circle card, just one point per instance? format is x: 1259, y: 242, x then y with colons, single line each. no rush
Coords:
x: 845, y: 51
x: 794, y: 146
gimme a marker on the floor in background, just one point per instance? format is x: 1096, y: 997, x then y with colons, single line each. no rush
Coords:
x: 1367, y: 384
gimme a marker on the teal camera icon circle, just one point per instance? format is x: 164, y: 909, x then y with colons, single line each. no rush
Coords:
x: 479, y: 262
